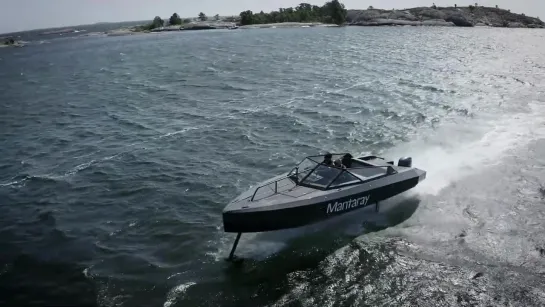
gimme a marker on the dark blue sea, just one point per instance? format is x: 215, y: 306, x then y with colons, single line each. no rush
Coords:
x: 118, y: 154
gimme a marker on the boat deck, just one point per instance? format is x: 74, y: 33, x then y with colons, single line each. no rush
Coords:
x: 282, y: 188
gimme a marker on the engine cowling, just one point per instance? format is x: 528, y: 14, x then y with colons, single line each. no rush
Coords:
x: 405, y: 162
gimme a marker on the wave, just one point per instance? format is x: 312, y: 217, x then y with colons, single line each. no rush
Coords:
x: 182, y: 131
x: 141, y: 176
x: 128, y: 122
x: 176, y: 294
x: 222, y: 86
x: 364, y: 271
x: 423, y: 87
x: 22, y: 180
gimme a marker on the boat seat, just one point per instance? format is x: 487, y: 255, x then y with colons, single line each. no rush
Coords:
x: 366, y: 169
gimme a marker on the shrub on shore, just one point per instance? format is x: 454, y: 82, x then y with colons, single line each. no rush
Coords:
x: 331, y: 12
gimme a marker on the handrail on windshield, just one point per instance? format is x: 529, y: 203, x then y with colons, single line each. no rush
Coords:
x: 268, y: 184
x: 276, y: 182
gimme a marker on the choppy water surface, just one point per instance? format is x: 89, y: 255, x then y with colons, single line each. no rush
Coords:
x: 118, y: 155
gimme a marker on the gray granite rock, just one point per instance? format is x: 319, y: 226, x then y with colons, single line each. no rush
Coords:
x: 443, y: 16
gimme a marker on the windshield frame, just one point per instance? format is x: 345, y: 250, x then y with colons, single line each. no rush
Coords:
x: 295, y: 174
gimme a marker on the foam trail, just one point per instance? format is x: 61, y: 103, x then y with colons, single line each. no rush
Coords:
x: 174, y: 293
x: 13, y: 183
x: 447, y: 154
x: 448, y: 160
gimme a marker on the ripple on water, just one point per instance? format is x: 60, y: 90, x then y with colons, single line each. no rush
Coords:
x: 116, y: 165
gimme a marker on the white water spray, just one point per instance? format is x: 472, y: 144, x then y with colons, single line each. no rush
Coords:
x: 447, y: 158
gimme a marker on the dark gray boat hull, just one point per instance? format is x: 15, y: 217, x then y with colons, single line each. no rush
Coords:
x: 241, y: 218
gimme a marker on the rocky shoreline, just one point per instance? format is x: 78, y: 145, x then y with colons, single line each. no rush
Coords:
x: 443, y: 16
x: 10, y: 42
x: 470, y: 16
x: 195, y: 26
x: 288, y: 25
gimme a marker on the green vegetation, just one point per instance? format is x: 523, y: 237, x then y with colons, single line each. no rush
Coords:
x: 175, y: 19
x: 9, y: 41
x: 330, y: 12
x: 156, y: 23
x: 203, y: 17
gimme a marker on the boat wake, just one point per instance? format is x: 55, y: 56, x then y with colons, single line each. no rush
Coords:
x: 460, y: 149
x: 445, y: 158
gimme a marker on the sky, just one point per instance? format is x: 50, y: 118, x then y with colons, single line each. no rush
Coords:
x: 22, y: 15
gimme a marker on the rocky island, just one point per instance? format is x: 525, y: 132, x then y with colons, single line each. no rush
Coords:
x: 10, y: 42
x: 469, y: 16
x: 334, y: 13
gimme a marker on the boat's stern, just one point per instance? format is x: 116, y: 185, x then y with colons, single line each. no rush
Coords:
x: 421, y: 174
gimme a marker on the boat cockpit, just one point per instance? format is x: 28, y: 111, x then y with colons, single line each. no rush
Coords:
x: 315, y: 172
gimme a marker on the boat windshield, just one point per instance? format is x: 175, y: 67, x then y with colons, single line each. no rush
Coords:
x: 314, y: 174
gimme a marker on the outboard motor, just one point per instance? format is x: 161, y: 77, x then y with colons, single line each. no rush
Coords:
x: 405, y: 162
